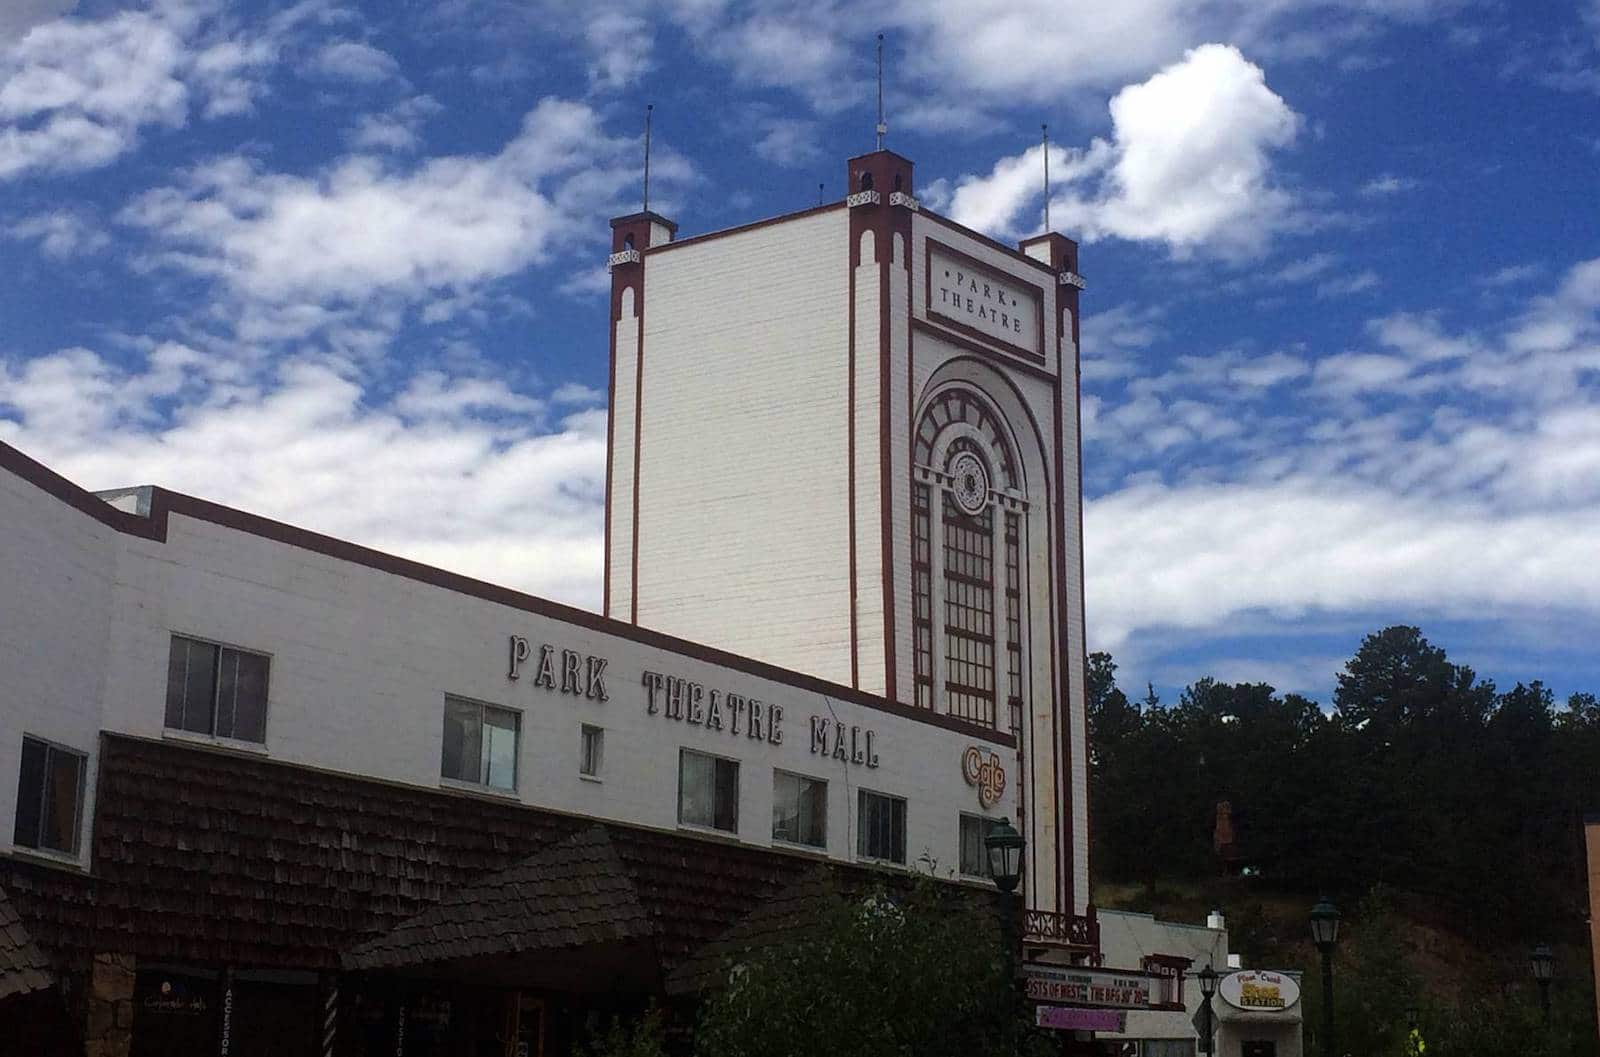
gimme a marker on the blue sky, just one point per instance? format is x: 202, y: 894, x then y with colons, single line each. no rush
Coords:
x: 340, y: 264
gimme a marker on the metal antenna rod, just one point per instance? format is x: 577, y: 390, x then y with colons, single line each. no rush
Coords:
x: 882, y: 126
x: 1045, y: 129
x: 648, y: 107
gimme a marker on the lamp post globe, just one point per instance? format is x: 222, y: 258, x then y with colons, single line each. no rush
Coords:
x: 1208, y: 988
x: 1324, y: 924
x: 1325, y: 934
x: 1004, y: 847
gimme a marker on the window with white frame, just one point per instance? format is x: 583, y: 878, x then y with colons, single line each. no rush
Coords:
x: 975, y: 829
x: 216, y: 690
x: 49, y: 797
x: 708, y: 791
x: 799, y: 809
x: 480, y: 744
x: 881, y: 827
x: 591, y: 751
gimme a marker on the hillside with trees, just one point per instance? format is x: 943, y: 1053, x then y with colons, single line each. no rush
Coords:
x: 1442, y: 812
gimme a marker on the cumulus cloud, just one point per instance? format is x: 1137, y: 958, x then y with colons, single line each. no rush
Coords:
x: 1432, y: 472
x: 509, y: 496
x: 369, y: 227
x: 76, y: 94
x: 350, y: 60
x: 19, y: 16
x: 61, y: 233
x: 1188, y: 165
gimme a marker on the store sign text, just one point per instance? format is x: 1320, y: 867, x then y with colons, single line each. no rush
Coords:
x: 566, y: 671
x: 982, y: 300
x: 1259, y: 989
x: 984, y: 771
x: 1086, y: 987
x: 714, y: 709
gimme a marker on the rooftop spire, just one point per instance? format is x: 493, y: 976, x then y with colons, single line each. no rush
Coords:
x: 1044, y: 130
x: 883, y: 127
x: 648, y: 107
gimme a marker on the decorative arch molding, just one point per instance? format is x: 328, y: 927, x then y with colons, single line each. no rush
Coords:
x: 979, y: 554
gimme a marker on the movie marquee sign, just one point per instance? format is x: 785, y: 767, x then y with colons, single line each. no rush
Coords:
x: 1086, y: 987
x: 670, y: 697
x: 969, y: 296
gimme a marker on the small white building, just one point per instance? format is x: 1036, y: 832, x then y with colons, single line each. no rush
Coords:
x: 1255, y: 1013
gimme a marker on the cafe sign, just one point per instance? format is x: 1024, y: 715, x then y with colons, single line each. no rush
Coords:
x: 1082, y: 986
x: 1259, y: 989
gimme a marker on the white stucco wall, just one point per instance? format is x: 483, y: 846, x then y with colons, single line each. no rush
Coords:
x: 361, y: 661
x: 57, y: 568
x: 743, y: 499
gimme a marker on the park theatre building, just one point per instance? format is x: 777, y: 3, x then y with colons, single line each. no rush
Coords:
x: 271, y: 792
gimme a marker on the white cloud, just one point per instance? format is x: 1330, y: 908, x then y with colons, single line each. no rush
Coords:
x: 1388, y: 184
x: 1188, y: 166
x: 61, y: 233
x: 19, y: 16
x: 1452, y: 474
x: 788, y: 141
x: 620, y: 46
x: 396, y: 129
x: 1348, y: 285
x: 370, y: 228
x: 459, y: 472
x: 350, y: 60
x: 76, y: 94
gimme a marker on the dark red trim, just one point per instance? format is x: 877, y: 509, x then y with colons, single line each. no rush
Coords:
x: 1035, y: 356
x: 986, y: 352
x: 1067, y: 818
x: 164, y: 503
x: 742, y: 228
x: 979, y: 236
x: 1083, y: 617
x: 898, y: 219
x: 638, y: 432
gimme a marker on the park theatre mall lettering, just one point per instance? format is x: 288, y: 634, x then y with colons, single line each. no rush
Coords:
x: 583, y: 675
x: 687, y: 701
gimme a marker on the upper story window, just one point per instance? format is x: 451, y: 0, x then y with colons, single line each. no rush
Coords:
x: 708, y: 791
x: 975, y: 829
x: 591, y: 751
x: 799, y: 809
x: 216, y: 690
x: 480, y: 744
x: 881, y: 827
x: 967, y: 566
x: 49, y: 797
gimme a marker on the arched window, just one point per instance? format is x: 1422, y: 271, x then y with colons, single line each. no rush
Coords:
x: 627, y: 243
x: 866, y: 181
x: 968, y: 507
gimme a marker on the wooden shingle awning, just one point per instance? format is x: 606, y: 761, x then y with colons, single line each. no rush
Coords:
x: 576, y: 895
x: 23, y: 969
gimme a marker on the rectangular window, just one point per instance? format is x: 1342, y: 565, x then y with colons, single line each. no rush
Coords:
x: 969, y: 613
x: 591, y: 751
x: 975, y: 829
x: 49, y: 797
x: 480, y: 744
x: 881, y: 828
x: 799, y: 809
x: 708, y: 791
x: 216, y: 690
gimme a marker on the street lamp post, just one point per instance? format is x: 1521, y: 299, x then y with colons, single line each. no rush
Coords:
x: 1004, y: 847
x: 1325, y: 934
x: 1543, y: 960
x: 1208, y: 988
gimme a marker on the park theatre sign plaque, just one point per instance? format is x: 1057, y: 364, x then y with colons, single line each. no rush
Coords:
x: 983, y: 302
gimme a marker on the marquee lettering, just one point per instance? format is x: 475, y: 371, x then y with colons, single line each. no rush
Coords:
x: 582, y: 675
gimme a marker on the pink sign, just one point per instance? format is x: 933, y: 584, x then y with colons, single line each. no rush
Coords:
x: 1070, y: 1018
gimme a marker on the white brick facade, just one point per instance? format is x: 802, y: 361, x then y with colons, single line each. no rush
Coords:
x: 785, y: 369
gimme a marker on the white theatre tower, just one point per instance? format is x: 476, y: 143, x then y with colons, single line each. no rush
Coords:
x: 846, y: 441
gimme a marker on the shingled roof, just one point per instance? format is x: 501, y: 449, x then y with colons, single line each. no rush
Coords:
x: 23, y: 969
x: 574, y: 894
